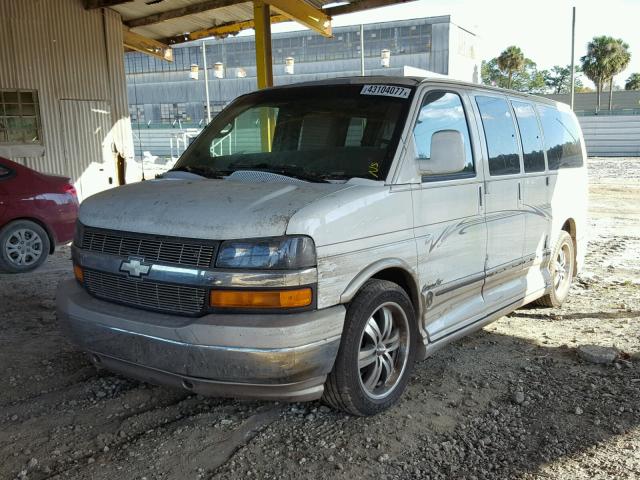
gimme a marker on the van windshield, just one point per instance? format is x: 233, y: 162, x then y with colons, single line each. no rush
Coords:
x: 316, y: 133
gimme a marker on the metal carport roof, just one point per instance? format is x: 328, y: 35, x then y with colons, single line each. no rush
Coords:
x: 173, y: 21
x: 151, y: 26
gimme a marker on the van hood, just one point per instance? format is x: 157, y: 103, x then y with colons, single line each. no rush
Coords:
x: 202, y: 208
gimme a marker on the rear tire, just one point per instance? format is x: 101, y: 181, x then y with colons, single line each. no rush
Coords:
x: 24, y: 246
x: 377, y: 351
x: 561, y: 268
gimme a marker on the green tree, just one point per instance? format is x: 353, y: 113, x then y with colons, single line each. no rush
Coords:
x: 558, y: 79
x: 633, y: 82
x: 620, y: 61
x: 511, y: 61
x: 528, y: 79
x: 605, y: 55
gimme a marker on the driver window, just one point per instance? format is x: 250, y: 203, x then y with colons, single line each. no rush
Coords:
x: 441, y: 111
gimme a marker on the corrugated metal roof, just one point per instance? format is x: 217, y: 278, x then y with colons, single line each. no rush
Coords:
x: 240, y: 11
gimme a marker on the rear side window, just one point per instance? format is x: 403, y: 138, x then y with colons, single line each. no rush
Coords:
x: 3, y: 171
x: 532, y: 148
x: 561, y: 138
x: 500, y: 133
x: 441, y: 111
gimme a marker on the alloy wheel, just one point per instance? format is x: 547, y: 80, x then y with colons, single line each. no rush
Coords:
x: 384, y: 349
x: 23, y: 247
x: 562, y: 268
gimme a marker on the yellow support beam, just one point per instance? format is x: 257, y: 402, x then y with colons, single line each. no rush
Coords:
x: 303, y: 13
x: 222, y: 30
x: 264, y: 67
x: 146, y: 45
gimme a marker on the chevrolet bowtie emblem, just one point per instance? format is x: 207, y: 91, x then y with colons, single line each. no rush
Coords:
x: 134, y: 267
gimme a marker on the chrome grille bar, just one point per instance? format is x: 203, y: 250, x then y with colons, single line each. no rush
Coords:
x: 177, y: 299
x: 166, y: 250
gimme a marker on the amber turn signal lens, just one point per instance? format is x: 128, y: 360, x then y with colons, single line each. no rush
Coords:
x: 300, y: 297
x: 79, y: 274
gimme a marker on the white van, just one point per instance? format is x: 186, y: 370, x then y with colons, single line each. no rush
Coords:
x: 317, y: 239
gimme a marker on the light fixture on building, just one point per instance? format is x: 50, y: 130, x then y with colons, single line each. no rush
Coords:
x: 289, y: 63
x: 241, y: 73
x: 218, y: 70
x: 193, y: 73
x: 385, y: 57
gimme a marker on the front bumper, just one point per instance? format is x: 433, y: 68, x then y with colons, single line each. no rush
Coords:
x: 263, y: 356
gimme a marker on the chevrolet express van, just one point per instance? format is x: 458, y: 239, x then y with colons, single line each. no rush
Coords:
x: 317, y: 239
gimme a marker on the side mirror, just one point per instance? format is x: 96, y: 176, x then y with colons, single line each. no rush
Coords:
x: 447, y: 154
x: 226, y: 130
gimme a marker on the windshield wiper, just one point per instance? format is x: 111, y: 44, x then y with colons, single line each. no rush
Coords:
x: 202, y: 170
x: 286, y: 170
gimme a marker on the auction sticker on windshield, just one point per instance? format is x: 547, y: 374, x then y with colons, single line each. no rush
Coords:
x: 386, y: 91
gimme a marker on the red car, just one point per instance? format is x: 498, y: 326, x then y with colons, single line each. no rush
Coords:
x: 37, y: 212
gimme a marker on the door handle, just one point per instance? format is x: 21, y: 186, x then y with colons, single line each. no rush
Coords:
x: 480, y: 195
x: 519, y: 192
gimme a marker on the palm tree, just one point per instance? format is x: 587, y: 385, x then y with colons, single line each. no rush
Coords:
x: 633, y: 82
x: 620, y: 59
x: 597, y: 63
x: 511, y: 61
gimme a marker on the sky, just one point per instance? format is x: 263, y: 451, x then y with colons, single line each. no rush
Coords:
x: 541, y: 28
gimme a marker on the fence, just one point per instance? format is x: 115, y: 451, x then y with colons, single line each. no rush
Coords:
x: 611, y: 135
x: 605, y: 135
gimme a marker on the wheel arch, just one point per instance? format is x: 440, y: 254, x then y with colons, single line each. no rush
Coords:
x: 394, y: 270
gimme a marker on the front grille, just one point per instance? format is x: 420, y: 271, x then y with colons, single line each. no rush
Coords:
x: 175, y: 299
x: 151, y: 248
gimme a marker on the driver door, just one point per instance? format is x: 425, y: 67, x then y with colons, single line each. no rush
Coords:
x: 449, y: 221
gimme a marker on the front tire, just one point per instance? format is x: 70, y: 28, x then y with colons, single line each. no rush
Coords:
x: 377, y: 351
x: 561, y: 268
x: 24, y: 246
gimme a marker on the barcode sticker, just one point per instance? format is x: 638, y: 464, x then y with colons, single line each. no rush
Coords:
x: 386, y: 91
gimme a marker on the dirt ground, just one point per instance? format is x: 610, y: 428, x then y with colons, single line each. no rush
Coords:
x: 512, y: 401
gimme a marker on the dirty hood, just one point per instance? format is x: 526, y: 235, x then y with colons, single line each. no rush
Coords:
x: 202, y: 208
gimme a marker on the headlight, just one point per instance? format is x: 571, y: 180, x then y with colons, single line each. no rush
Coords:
x: 278, y: 253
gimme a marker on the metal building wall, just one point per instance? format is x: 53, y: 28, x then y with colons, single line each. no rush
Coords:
x: 152, y: 88
x: 65, y: 53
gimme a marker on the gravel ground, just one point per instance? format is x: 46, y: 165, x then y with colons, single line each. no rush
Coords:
x: 515, y: 400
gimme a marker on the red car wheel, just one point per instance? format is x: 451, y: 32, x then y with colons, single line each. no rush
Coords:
x: 24, y: 245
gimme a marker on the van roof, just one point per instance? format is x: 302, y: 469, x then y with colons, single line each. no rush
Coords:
x: 415, y: 81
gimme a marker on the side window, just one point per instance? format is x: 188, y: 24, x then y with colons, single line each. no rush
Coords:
x: 442, y: 111
x: 4, y: 171
x: 20, y: 117
x: 532, y: 147
x: 500, y: 134
x: 561, y: 138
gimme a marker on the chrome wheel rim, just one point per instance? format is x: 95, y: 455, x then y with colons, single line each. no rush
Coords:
x: 384, y: 350
x: 23, y: 247
x: 562, y: 268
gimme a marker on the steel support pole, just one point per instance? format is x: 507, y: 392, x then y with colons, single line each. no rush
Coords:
x: 206, y: 81
x: 262, y: 20
x: 573, y: 62
x: 362, y: 50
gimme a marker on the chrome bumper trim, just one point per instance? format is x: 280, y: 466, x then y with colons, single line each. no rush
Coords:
x: 199, y: 277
